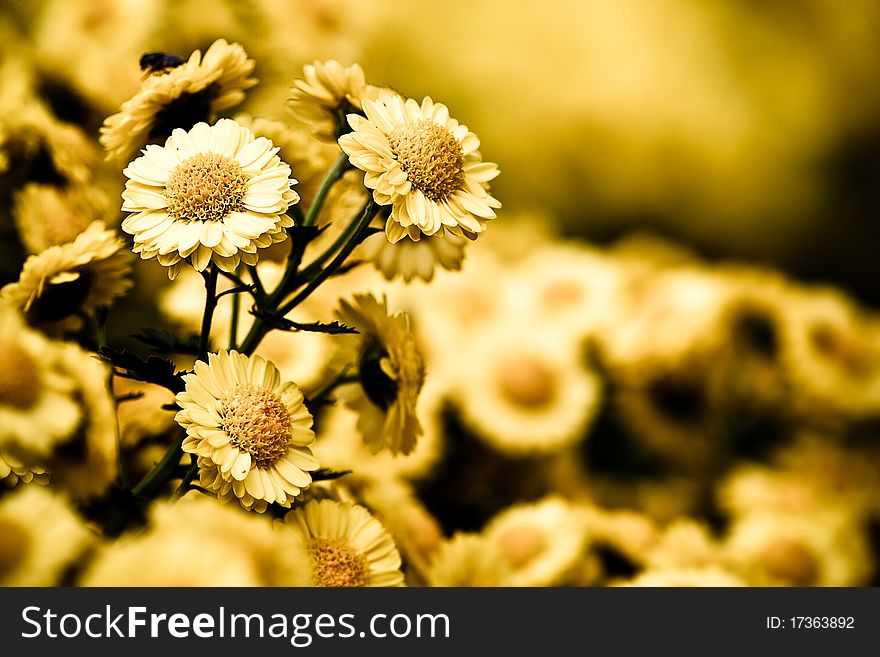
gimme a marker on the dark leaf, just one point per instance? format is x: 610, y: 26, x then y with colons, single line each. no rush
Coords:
x: 326, y: 474
x: 153, y: 369
x: 284, y: 324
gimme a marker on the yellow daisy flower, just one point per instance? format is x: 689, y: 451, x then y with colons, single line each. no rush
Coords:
x: 424, y: 164
x: 179, y: 98
x: 391, y: 372
x: 214, y: 193
x: 347, y: 546
x: 80, y: 276
x: 327, y: 92
x: 250, y: 431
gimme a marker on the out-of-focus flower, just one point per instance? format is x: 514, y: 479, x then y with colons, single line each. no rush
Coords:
x: 391, y: 373
x: 524, y: 390
x: 77, y: 277
x: 85, y: 464
x: 833, y: 361
x: 685, y: 543
x: 326, y: 94
x: 13, y: 472
x: 251, y: 432
x: 424, y: 164
x: 40, y: 538
x: 542, y: 542
x: 47, y: 216
x: 821, y: 547
x: 570, y: 287
x: 37, y: 405
x: 347, y: 546
x: 37, y: 147
x: 179, y: 98
x: 197, y: 542
x: 411, y: 260
x: 468, y: 560
x: 214, y: 193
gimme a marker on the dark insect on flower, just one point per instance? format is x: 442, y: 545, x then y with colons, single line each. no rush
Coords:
x: 158, y: 62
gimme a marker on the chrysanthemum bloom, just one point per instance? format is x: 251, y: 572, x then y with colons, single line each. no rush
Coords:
x: 80, y: 276
x: 215, y: 193
x: 424, y: 164
x: 391, y: 372
x: 179, y: 98
x: 13, y: 471
x: 524, y: 391
x: 40, y: 538
x: 347, y: 546
x: 542, y: 542
x: 327, y: 92
x: 198, y: 542
x: 250, y: 431
x: 38, y: 409
x: 410, y: 260
x: 46, y: 215
x: 468, y: 560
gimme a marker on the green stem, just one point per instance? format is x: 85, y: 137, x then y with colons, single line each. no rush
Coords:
x: 334, y: 174
x: 362, y: 222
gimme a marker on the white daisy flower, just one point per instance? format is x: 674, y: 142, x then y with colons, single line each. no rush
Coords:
x: 213, y: 194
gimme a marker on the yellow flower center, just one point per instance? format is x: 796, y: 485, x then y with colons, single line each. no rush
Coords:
x: 790, y: 562
x: 527, y: 382
x: 336, y: 563
x: 430, y: 156
x: 14, y: 544
x: 19, y: 377
x: 257, y: 423
x: 521, y: 544
x: 206, y: 187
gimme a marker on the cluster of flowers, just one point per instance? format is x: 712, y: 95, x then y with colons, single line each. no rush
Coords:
x: 361, y: 406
